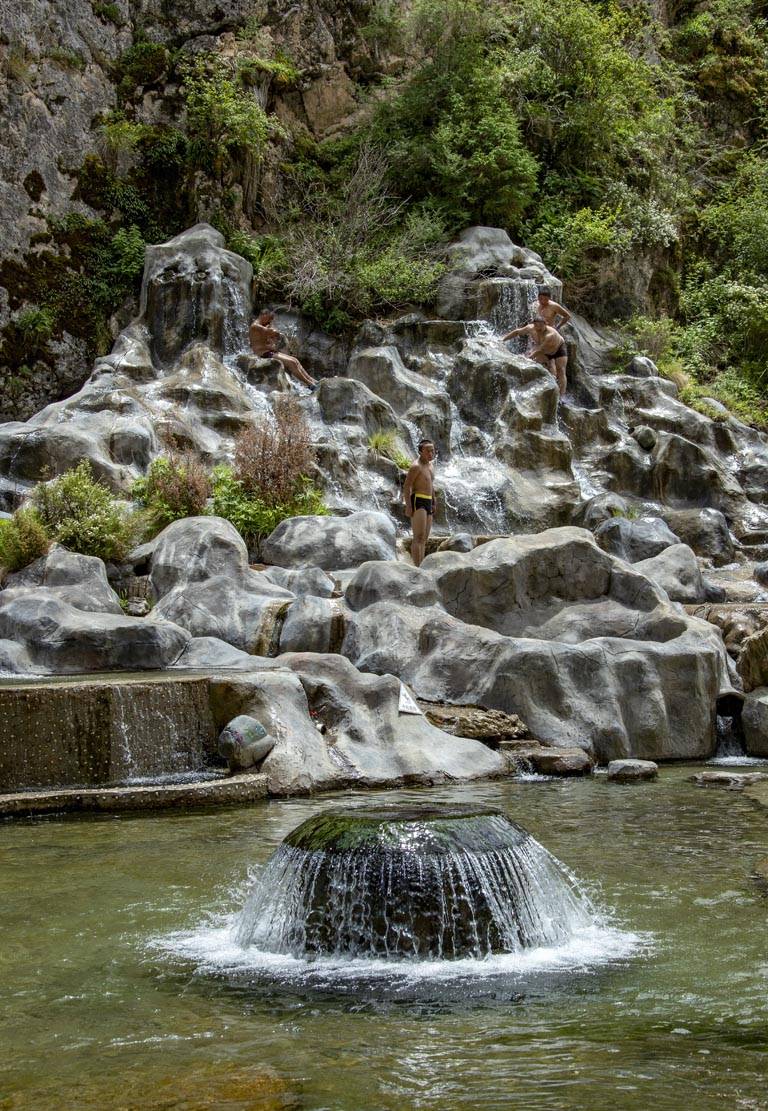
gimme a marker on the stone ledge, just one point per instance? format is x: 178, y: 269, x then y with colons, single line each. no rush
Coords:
x: 182, y: 796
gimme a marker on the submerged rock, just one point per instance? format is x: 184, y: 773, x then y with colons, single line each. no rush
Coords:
x: 632, y: 771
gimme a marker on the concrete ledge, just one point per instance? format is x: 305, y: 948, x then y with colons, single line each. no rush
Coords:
x: 228, y: 791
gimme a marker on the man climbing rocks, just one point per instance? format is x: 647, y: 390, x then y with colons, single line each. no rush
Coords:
x: 548, y: 348
x: 555, y: 315
x: 419, y: 499
x: 265, y: 341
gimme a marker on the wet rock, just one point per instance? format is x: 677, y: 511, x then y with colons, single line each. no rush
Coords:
x: 732, y: 781
x: 642, y: 367
x: 645, y: 437
x: 632, y: 771
x: 561, y: 761
x: 202, y: 580
x: 754, y: 720
x: 752, y: 664
x: 677, y: 572
x: 372, y: 741
x: 760, y: 573
x: 602, y: 507
x: 635, y: 540
x: 412, y: 396
x: 330, y: 542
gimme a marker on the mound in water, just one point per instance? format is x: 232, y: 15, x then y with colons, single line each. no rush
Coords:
x: 411, y: 885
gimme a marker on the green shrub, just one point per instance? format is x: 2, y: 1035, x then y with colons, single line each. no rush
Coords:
x: 173, y: 487
x: 36, y: 325
x: 84, y: 516
x: 251, y: 515
x: 222, y: 116
x: 266, y: 253
x: 144, y: 63
x: 386, y: 442
x: 109, y: 13
x: 23, y: 539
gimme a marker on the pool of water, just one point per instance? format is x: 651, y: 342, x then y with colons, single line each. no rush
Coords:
x: 118, y: 988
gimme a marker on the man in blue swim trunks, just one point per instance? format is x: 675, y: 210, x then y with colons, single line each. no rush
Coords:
x: 419, y: 499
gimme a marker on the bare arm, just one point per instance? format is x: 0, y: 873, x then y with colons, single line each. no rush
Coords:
x: 515, y: 332
x: 561, y: 312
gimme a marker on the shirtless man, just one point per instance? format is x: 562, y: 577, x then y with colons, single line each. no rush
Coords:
x: 549, y: 310
x: 419, y: 499
x: 548, y: 348
x: 264, y: 341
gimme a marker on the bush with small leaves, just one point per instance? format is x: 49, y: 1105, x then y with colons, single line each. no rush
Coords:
x: 173, y: 487
x: 23, y: 539
x: 80, y: 513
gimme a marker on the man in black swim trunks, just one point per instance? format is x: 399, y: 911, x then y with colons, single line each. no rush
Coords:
x: 419, y: 499
x: 265, y: 341
x: 548, y: 348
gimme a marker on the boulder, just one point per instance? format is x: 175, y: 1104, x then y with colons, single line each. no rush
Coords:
x: 202, y: 580
x: 330, y: 542
x: 584, y: 649
x: 313, y: 625
x: 754, y: 720
x: 561, y: 761
x: 212, y: 654
x: 760, y: 573
x: 632, y: 771
x: 399, y: 582
x: 459, y: 542
x: 635, y: 540
x: 645, y: 437
x: 752, y: 664
x: 642, y: 367
x: 79, y: 580
x: 372, y: 741
x: 600, y: 508
x: 307, y: 580
x: 244, y: 742
x: 704, y: 530
x: 677, y: 572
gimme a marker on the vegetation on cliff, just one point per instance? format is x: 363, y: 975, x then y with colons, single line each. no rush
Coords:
x: 629, y: 152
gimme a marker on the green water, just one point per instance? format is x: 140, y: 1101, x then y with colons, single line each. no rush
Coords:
x: 93, y: 1015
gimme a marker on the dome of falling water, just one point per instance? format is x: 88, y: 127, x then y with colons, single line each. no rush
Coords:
x: 411, y: 885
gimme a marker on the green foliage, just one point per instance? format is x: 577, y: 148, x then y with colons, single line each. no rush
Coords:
x: 222, y: 116
x: 267, y: 255
x: 280, y: 68
x: 144, y: 63
x: 250, y: 514
x: 36, y: 325
x: 109, y: 13
x: 122, y: 134
x: 385, y: 442
x: 23, y: 539
x: 67, y: 59
x: 83, y: 515
x: 173, y: 487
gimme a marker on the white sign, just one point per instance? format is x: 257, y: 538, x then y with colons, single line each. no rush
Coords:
x: 407, y: 704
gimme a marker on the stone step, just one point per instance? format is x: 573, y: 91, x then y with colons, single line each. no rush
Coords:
x: 235, y: 790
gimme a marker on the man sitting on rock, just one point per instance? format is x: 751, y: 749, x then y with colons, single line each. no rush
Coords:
x: 548, y: 348
x: 265, y: 341
x: 419, y: 499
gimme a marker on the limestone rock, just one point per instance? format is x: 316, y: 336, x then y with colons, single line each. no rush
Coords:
x: 677, y: 572
x: 752, y: 664
x: 562, y: 761
x: 632, y: 771
x: 635, y: 540
x: 307, y: 580
x: 200, y: 575
x: 79, y: 580
x: 371, y: 741
x: 704, y: 530
x: 330, y: 542
x: 489, y: 726
x: 460, y: 542
x: 313, y: 625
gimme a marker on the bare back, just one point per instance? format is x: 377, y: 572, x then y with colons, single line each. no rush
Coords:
x: 263, y: 338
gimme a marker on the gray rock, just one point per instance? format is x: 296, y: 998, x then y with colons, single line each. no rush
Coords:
x: 244, y: 742
x: 754, y: 720
x: 635, y: 540
x: 760, y: 573
x: 704, y: 530
x: 372, y: 741
x: 584, y: 649
x: 561, y: 761
x: 677, y: 572
x: 642, y: 367
x: 212, y: 654
x: 307, y: 580
x: 202, y: 580
x: 645, y: 437
x: 330, y: 542
x: 632, y: 771
x: 313, y: 625
x: 602, y: 507
x: 79, y: 580
x: 460, y: 542
x: 398, y: 582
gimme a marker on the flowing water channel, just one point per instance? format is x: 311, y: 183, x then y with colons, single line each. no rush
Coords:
x: 122, y: 985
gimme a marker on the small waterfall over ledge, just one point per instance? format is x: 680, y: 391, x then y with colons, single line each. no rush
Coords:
x: 428, y: 885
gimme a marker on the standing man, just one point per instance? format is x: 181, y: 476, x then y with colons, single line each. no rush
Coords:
x: 548, y: 348
x: 555, y: 315
x: 419, y: 499
x: 265, y: 341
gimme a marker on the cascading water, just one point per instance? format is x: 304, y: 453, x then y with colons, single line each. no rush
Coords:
x: 403, y: 885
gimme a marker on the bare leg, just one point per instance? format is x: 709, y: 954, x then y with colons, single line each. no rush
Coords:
x: 296, y: 369
x: 421, y: 524
x: 560, y: 365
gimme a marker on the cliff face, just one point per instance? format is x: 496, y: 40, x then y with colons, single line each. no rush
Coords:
x: 70, y: 66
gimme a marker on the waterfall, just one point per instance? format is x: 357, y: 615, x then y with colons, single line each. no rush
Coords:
x: 431, y: 885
